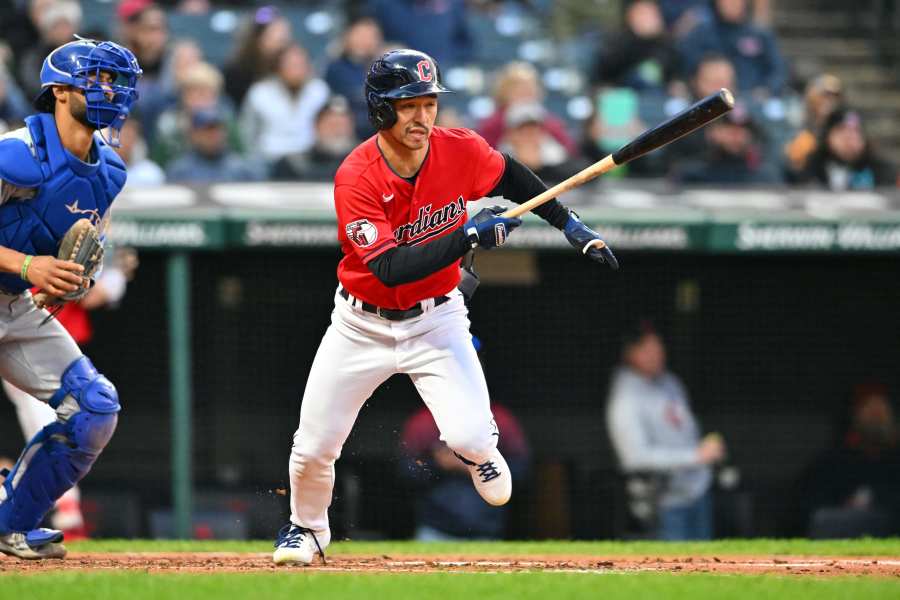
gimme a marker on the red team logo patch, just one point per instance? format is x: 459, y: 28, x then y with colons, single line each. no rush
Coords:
x: 425, y: 70
x: 362, y: 233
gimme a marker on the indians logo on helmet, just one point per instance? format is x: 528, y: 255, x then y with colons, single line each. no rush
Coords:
x: 426, y: 73
x: 362, y: 233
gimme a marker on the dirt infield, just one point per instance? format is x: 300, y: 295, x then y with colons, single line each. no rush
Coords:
x: 258, y: 563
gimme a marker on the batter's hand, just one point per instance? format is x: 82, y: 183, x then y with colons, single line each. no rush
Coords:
x: 487, y: 229
x: 587, y: 241
x: 54, y: 276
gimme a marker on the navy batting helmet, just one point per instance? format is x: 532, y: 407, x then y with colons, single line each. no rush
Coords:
x: 399, y: 74
x: 79, y: 64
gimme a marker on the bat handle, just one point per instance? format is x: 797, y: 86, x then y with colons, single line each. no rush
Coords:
x: 595, y: 170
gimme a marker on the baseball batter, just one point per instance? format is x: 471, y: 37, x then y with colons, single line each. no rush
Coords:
x: 54, y: 172
x: 401, y: 201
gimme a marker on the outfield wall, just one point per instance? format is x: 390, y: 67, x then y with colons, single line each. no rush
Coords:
x: 770, y: 328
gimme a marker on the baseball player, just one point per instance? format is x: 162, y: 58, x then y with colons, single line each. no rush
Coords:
x: 401, y: 201
x: 56, y: 171
x: 34, y: 415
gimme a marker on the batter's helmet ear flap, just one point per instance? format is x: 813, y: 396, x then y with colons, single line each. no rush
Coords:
x: 381, y: 112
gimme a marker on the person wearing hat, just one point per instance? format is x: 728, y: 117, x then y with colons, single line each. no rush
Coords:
x: 335, y: 138
x: 527, y: 139
x: 209, y: 159
x: 733, y: 154
x: 200, y: 87
x: 654, y: 431
x: 823, y: 94
x: 844, y: 157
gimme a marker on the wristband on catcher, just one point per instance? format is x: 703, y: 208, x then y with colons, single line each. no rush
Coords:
x: 25, y: 264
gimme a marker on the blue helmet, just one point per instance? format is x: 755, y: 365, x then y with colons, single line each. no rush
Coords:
x: 79, y: 65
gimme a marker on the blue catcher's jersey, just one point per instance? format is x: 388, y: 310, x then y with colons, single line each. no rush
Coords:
x: 45, y: 189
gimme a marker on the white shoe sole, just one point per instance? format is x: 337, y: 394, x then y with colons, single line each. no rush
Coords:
x: 47, y: 551
x: 292, y: 556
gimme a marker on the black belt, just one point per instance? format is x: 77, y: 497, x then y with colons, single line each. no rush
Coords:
x: 392, y: 314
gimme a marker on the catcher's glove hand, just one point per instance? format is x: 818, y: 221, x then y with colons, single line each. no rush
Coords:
x: 81, y: 245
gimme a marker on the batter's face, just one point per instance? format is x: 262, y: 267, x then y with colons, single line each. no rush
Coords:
x: 415, y: 120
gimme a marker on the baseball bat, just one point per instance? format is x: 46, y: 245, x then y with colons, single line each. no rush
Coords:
x: 690, y: 119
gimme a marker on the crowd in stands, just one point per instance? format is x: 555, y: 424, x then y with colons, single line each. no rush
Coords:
x: 283, y: 98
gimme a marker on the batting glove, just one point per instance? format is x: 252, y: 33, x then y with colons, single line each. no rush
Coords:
x: 487, y: 229
x: 587, y: 241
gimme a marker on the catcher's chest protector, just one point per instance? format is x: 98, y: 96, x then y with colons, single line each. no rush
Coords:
x: 71, y: 190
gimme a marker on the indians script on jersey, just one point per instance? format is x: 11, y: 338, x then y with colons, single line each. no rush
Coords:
x: 429, y: 224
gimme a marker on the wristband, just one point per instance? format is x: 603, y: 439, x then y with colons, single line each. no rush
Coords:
x: 25, y: 264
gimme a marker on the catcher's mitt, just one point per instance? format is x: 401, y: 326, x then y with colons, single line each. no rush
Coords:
x: 82, y: 245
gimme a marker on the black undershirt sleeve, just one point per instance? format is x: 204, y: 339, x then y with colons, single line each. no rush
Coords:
x: 520, y: 184
x: 405, y: 264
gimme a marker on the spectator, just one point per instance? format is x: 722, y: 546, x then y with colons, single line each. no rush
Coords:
x: 654, y: 431
x: 346, y: 74
x: 753, y: 51
x: 279, y: 112
x: 145, y: 31
x: 13, y: 105
x: 682, y: 16
x: 642, y: 56
x: 844, y: 158
x: 133, y: 150
x: 57, y: 22
x: 823, y: 94
x: 200, y: 88
x: 519, y: 83
x: 259, y: 43
x: 734, y: 154
x: 18, y: 26
x: 335, y: 139
x: 527, y: 140
x: 713, y: 72
x: 209, y: 160
x: 577, y: 18
x: 436, y: 27
x: 855, y: 486
x: 448, y: 507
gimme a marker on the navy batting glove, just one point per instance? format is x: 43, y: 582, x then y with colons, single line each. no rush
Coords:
x: 487, y: 229
x: 587, y: 241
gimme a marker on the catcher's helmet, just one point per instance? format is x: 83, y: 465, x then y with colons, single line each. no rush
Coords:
x: 79, y: 64
x: 399, y: 74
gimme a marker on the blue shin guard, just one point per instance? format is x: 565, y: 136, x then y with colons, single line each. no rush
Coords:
x: 61, y: 453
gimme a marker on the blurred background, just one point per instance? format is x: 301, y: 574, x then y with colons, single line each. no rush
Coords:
x: 740, y: 371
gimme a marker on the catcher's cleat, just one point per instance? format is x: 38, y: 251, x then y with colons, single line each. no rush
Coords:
x: 33, y: 545
x: 296, y: 545
x: 491, y: 478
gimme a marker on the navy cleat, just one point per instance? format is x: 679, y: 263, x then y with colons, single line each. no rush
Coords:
x: 33, y: 545
x: 296, y: 545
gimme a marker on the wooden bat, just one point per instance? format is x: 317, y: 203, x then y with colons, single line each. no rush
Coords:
x: 690, y: 119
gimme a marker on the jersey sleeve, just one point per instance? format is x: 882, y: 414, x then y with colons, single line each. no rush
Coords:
x: 489, y: 168
x: 362, y: 222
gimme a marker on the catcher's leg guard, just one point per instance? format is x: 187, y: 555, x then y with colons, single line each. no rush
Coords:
x: 62, y: 452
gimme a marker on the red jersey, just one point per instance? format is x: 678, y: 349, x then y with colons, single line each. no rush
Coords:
x: 378, y: 210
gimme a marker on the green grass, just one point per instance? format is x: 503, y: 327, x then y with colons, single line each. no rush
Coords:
x: 299, y: 584
x: 863, y: 547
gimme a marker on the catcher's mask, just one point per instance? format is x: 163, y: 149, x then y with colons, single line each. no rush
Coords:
x: 399, y: 74
x: 79, y: 64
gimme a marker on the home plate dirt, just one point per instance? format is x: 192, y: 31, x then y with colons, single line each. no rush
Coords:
x: 234, y: 562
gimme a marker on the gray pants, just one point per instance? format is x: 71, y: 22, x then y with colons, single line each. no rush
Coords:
x: 33, y: 356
